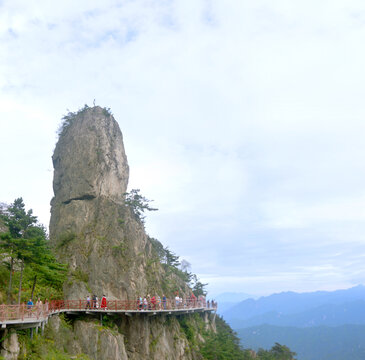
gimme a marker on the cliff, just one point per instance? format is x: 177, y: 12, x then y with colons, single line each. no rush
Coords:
x: 105, y: 244
x: 91, y: 228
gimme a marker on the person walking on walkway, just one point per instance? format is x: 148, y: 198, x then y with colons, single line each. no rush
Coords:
x: 39, y: 307
x: 192, y: 300
x: 153, y: 302
x: 103, y: 302
x: 29, y: 307
x: 30, y: 304
x: 88, y: 302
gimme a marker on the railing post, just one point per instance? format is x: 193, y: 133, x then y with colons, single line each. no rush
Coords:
x: 2, y: 312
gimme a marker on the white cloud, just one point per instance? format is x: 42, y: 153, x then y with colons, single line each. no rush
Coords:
x: 242, y: 120
x: 296, y: 215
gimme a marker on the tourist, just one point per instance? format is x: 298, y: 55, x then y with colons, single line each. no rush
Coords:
x: 30, y: 304
x: 192, y: 300
x: 103, y: 302
x: 46, y: 306
x: 39, y: 307
x: 149, y: 302
x: 88, y: 303
x: 158, y: 302
x: 164, y: 300
x: 177, y: 301
x: 153, y: 302
x: 145, y: 303
x: 29, y: 307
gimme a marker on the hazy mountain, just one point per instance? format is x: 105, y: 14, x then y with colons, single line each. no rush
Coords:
x: 346, y: 342
x: 317, y: 326
x: 229, y: 299
x: 327, y: 315
x: 266, y: 309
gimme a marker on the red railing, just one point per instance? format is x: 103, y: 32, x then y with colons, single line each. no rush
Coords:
x: 25, y: 313
x: 22, y: 312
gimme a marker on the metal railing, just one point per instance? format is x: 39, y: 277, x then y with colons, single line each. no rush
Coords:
x: 27, y: 313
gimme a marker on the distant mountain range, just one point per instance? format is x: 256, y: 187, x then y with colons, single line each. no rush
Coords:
x: 320, y: 325
x: 324, y: 315
x: 301, y: 310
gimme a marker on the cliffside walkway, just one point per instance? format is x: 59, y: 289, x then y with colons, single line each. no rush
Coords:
x: 24, y: 316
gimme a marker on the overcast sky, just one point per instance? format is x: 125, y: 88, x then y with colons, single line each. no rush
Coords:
x: 243, y: 120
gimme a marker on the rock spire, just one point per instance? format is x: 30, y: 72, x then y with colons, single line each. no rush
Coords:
x: 90, y: 227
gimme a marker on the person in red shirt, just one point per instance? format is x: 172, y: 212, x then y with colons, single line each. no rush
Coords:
x: 103, y: 302
x: 153, y: 302
x: 193, y: 300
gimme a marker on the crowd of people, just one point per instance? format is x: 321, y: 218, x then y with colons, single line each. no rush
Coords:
x: 93, y: 303
x: 156, y: 302
x: 147, y: 302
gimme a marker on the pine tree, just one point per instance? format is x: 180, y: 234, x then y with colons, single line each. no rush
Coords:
x: 26, y: 242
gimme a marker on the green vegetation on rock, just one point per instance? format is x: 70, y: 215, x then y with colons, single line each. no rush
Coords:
x: 138, y: 204
x: 27, y: 259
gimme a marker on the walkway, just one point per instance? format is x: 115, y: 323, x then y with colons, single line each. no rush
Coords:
x: 22, y: 316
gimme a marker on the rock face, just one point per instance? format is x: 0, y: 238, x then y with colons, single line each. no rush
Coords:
x: 89, y: 159
x: 106, y: 246
x: 136, y: 338
x: 10, y: 348
x: 91, y: 229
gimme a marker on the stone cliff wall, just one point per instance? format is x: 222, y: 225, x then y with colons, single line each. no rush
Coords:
x: 136, y: 338
x: 91, y: 229
x: 106, y: 247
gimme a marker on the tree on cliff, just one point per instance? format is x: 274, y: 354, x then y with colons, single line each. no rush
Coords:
x: 25, y: 242
x: 138, y: 204
x: 198, y: 287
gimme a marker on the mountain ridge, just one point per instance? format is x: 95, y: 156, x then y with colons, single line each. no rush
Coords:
x: 290, y: 302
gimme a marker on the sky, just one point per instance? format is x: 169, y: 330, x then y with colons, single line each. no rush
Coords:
x: 242, y: 120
